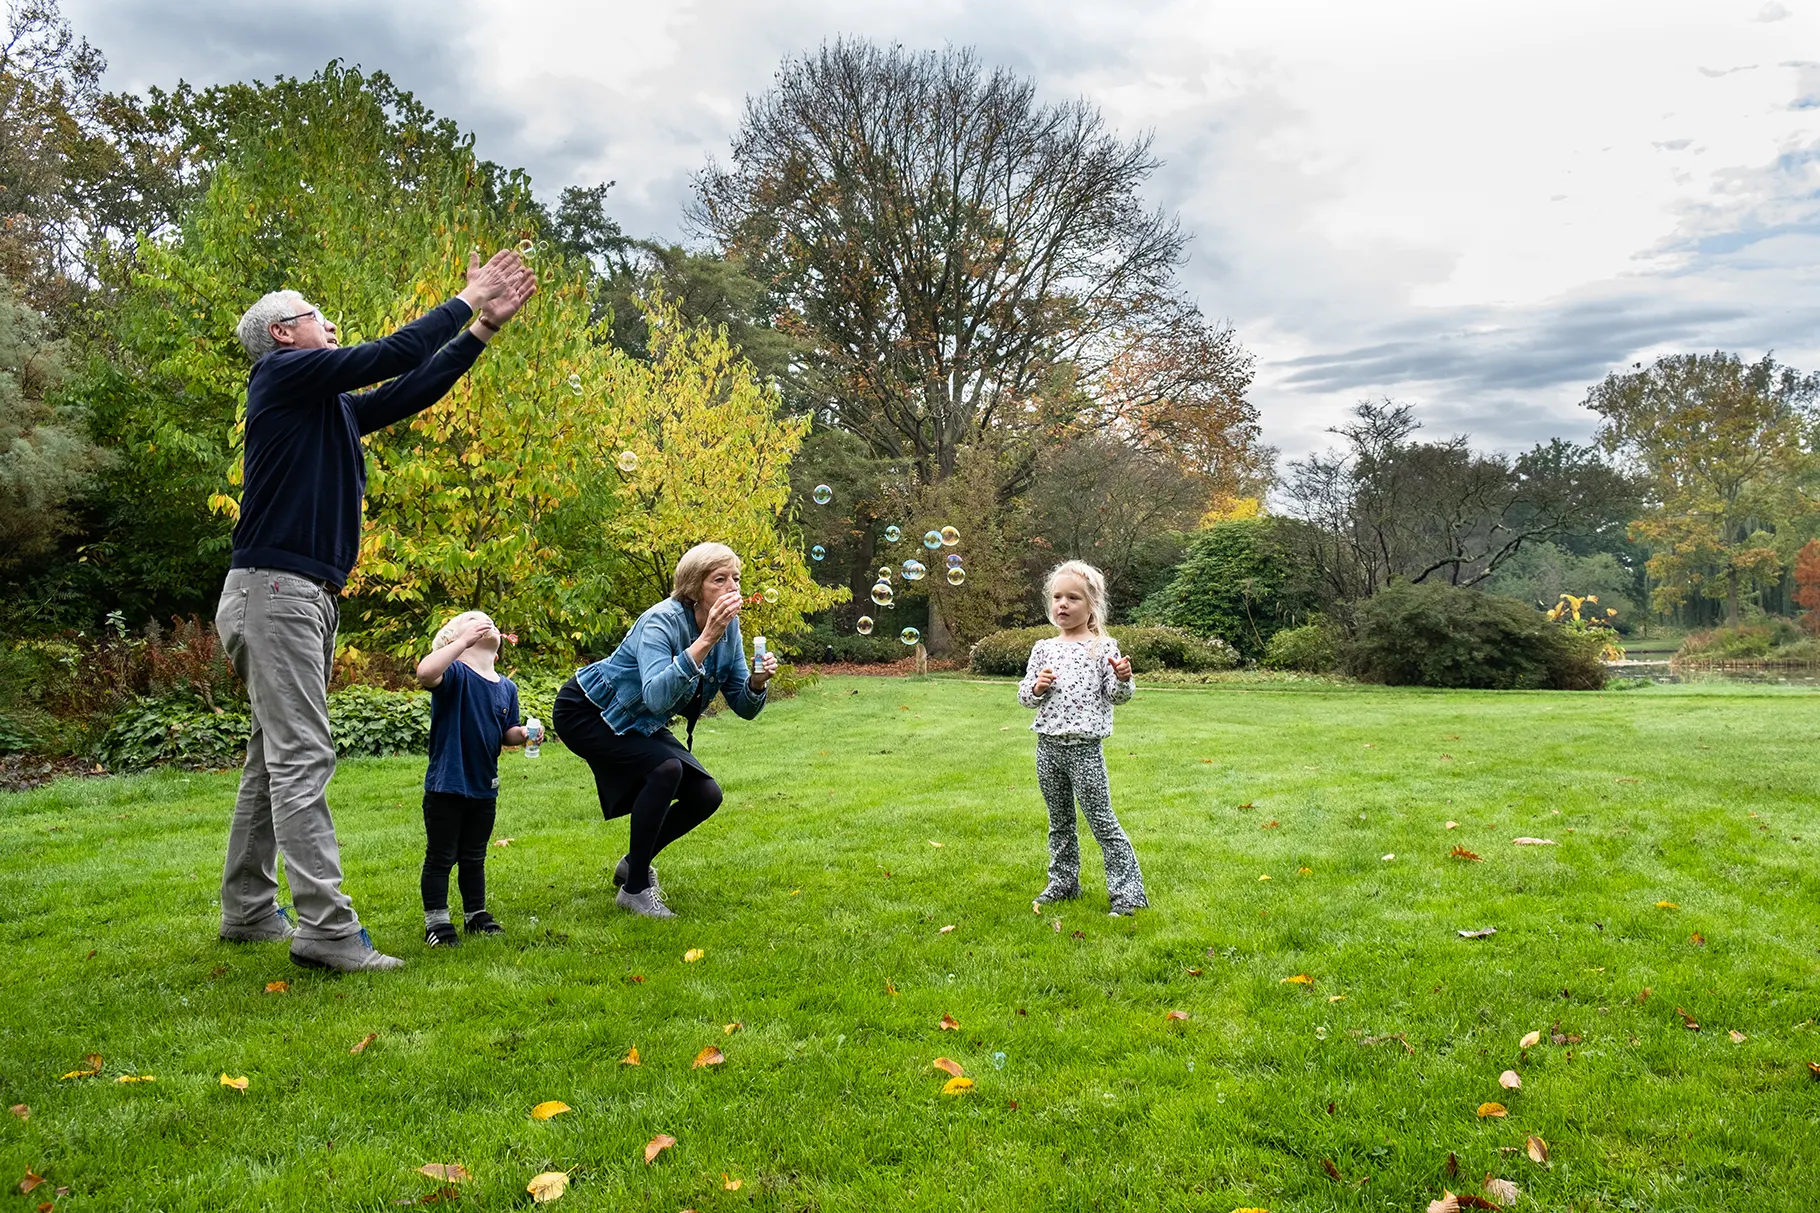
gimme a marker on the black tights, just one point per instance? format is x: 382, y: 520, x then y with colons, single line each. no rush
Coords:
x: 675, y: 799
x: 456, y: 829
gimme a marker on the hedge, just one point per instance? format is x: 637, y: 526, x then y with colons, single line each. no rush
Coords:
x: 1008, y: 652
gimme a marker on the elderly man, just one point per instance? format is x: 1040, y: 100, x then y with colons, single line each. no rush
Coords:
x: 294, y: 546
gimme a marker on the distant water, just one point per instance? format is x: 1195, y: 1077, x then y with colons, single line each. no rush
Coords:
x: 1662, y: 671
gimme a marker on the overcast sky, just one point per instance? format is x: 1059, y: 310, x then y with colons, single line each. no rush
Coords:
x: 1478, y: 208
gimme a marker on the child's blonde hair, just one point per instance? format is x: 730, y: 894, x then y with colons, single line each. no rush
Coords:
x: 1093, y: 579
x: 453, y: 627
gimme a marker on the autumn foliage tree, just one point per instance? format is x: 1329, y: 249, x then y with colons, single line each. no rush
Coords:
x: 1807, y: 584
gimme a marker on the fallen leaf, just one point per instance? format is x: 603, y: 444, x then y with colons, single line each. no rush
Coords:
x: 1492, y: 1109
x: 1481, y: 933
x: 548, y: 1186
x: 1194, y: 972
x: 693, y: 955
x: 239, y: 1084
x: 361, y: 1047
x: 1247, y: 804
x: 1304, y: 871
x: 1738, y: 1037
x: 1449, y: 1203
x: 957, y: 1086
x: 219, y: 971
x: 1453, y: 825
x: 506, y: 842
x: 1530, y: 1041
x: 950, y: 1024
x: 1469, y: 1201
x: 1500, y: 1190
x: 93, y: 1064
x: 945, y: 929
x: 1300, y: 979
x: 637, y: 980
x: 1510, y: 1080
x: 1335, y: 997
x: 890, y: 989
x: 710, y: 1056
x: 1813, y: 1069
x: 1667, y: 905
x: 1453, y: 1165
x: 1389, y: 857
x: 1463, y: 853
x: 949, y: 1066
x: 22, y: 1111
x: 277, y: 987
x: 732, y: 1028
x: 1077, y: 934
x: 1272, y: 824
x: 657, y: 1145
x: 1643, y: 996
x: 1176, y: 1015
x: 1687, y: 1021
x: 1333, y: 1172
x: 799, y: 892
x: 631, y: 1057
x: 549, y: 1108
x: 1538, y: 1150
x: 731, y: 1185
x: 1534, y: 842
x: 934, y: 843
x: 1262, y: 879
x: 30, y: 1181
x: 454, y: 1172
x: 136, y: 1078
x: 1697, y: 939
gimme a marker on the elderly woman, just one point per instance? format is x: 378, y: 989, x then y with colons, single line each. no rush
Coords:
x: 615, y: 714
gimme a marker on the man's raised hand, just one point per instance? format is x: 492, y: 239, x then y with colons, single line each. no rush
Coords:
x: 497, y: 289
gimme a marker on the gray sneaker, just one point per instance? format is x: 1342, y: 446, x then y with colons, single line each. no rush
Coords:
x: 619, y: 877
x: 1055, y: 892
x: 646, y: 903
x: 274, y: 928
x: 350, y: 954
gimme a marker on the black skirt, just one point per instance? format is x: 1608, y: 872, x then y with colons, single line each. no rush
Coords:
x: 620, y: 761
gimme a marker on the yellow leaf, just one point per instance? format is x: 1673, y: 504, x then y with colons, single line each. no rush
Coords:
x: 1510, y: 1080
x: 1335, y: 997
x: 548, y: 1186
x: 239, y: 1084
x: 549, y: 1108
x: 657, y: 1145
x: 136, y: 1078
x: 693, y: 955
x: 731, y: 1185
x: 955, y: 1086
x: 277, y: 987
x: 1300, y: 979
x: 1538, y: 1149
x: 631, y: 1057
x: 732, y: 1028
x: 890, y: 989
x: 710, y: 1056
x: 1175, y: 1015
x: 950, y: 1066
x: 1493, y: 1109
x: 1304, y: 871
x: 1738, y: 1037
x: 92, y: 1064
x: 1248, y: 1209
x: 22, y: 1111
x: 1530, y: 1041
x: 451, y: 1171
x: 950, y: 1024
x: 1262, y: 879
x: 1667, y: 905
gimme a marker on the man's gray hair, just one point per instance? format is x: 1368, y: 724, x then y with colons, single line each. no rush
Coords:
x: 255, y: 328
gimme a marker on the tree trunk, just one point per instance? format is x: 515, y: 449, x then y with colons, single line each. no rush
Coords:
x: 940, y: 637
x: 1731, y: 598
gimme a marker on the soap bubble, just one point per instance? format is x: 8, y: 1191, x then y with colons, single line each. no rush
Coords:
x: 864, y: 625
x: 575, y: 384
x: 628, y: 461
x: 954, y: 560
x: 998, y: 1061
x: 932, y: 540
x: 885, y: 571
x: 956, y: 575
x: 818, y: 552
x: 822, y: 494
x: 881, y: 594
x: 771, y: 594
x: 893, y: 534
x: 950, y: 536
x: 910, y: 636
x: 914, y: 570
x: 525, y: 247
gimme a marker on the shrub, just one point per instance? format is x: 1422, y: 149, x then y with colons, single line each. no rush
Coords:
x: 371, y: 722
x: 1239, y: 582
x: 1309, y: 649
x: 180, y: 729
x: 1008, y: 652
x: 1444, y: 636
x: 826, y: 643
x: 1773, y: 641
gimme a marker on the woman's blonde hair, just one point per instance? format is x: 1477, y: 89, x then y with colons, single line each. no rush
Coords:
x: 697, y: 565
x: 453, y: 627
x: 1093, y: 579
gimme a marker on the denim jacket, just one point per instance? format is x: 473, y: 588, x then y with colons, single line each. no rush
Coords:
x: 650, y: 677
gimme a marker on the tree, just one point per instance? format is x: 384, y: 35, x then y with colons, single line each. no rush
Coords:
x: 1240, y: 581
x: 1807, y: 584
x: 953, y: 254
x: 1724, y: 452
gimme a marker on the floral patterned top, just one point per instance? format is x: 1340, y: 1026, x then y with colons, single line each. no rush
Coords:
x: 1081, y: 701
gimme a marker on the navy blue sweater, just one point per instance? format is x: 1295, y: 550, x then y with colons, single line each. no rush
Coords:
x: 305, y: 469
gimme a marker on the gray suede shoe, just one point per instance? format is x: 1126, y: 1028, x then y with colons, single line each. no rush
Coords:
x: 1053, y: 893
x: 646, y: 903
x: 351, y: 954
x: 274, y: 928
x: 619, y: 877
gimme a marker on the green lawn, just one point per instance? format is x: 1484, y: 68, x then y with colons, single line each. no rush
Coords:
x: 866, y: 816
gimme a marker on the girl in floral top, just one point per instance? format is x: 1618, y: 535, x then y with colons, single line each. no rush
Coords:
x: 1073, y: 681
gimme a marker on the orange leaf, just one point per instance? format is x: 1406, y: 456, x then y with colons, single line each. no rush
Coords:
x: 277, y: 987
x: 1509, y: 1080
x: 1194, y: 972
x: 22, y: 1111
x: 548, y: 1186
x: 451, y: 1171
x: 1687, y: 1021
x: 631, y: 1057
x: 1176, y: 1015
x: 239, y: 1084
x: 1530, y: 1041
x: 1492, y: 1109
x: 693, y: 955
x: 731, y: 1185
x: 657, y: 1145
x: 890, y: 989
x: 361, y: 1047
x: 1538, y: 1149
x: 1469, y: 1201
x: 710, y: 1056
x: 1300, y: 979
x: 1463, y: 853
x: 1813, y: 1069
x: 448, y: 1194
x: 1697, y: 939
x: 30, y: 1181
x: 950, y: 1066
x: 956, y: 1086
x: 549, y: 1108
x: 732, y: 1028
x: 950, y: 1024
x: 1333, y: 1172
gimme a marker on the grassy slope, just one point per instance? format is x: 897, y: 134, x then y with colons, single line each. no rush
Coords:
x: 827, y: 1099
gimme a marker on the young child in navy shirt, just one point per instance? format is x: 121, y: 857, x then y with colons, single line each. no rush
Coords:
x: 473, y: 712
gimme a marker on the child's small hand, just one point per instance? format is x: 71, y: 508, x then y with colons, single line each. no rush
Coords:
x: 1121, y: 667
x: 1045, y: 679
x: 476, y: 632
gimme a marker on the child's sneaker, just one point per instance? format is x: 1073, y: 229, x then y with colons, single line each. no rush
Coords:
x: 482, y: 923
x: 442, y: 935
x: 1055, y: 892
x: 1125, y: 909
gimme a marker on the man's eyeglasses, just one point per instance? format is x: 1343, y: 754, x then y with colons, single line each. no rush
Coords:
x: 316, y: 312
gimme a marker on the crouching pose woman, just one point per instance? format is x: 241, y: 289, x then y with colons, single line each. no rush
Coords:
x: 615, y: 714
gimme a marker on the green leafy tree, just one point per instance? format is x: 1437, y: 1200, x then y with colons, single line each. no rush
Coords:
x: 1241, y: 581
x: 1723, y: 449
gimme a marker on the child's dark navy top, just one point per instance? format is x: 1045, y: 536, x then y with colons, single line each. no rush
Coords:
x: 469, y: 716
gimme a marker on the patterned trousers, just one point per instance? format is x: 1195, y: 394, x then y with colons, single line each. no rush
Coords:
x: 1067, y: 772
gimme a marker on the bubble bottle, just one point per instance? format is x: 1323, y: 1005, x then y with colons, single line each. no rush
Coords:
x: 533, y: 737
